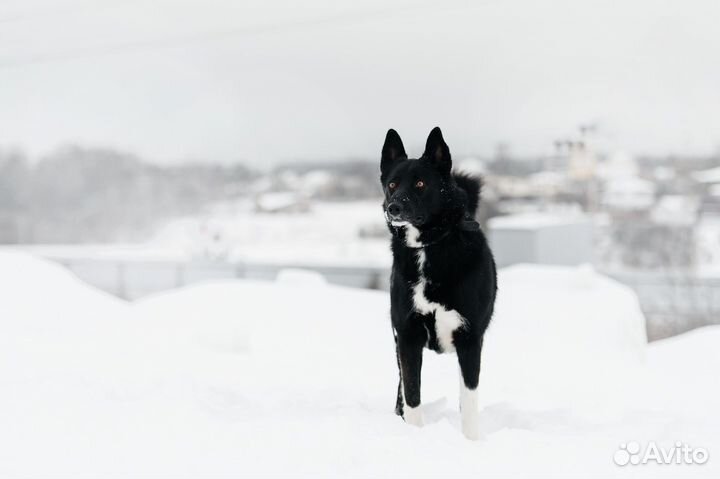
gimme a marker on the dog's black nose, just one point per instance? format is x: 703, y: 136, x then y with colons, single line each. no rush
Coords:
x: 394, y: 209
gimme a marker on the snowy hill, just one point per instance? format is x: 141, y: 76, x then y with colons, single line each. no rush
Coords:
x: 297, y: 376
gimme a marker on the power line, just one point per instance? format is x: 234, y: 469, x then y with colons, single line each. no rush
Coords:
x: 216, y: 35
x: 67, y: 9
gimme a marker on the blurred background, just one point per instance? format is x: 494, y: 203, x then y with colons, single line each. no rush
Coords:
x: 149, y: 145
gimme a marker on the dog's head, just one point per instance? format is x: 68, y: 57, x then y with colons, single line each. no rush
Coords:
x: 416, y: 190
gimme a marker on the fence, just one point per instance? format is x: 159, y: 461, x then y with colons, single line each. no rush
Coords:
x: 131, y: 279
x: 672, y: 303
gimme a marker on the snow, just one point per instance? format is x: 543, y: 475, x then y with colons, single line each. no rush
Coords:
x: 533, y: 221
x: 340, y: 234
x: 329, y: 234
x: 676, y: 210
x: 281, y: 201
x: 619, y: 165
x: 628, y: 193
x: 298, y: 377
x: 707, y: 176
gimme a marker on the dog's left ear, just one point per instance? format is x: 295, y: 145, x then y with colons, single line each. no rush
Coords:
x: 437, y: 151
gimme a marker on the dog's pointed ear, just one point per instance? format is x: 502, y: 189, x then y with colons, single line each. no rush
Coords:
x: 437, y: 151
x: 392, y: 151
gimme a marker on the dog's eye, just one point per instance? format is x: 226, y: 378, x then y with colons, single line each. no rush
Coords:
x: 420, y: 184
x: 392, y: 185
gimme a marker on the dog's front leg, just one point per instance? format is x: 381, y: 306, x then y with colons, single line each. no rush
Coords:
x: 410, y: 350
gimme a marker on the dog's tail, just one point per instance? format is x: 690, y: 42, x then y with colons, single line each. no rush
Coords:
x: 472, y: 186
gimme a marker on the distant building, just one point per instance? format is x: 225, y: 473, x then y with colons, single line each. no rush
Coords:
x: 711, y: 202
x: 582, y: 162
x: 676, y: 210
x: 618, y: 165
x: 541, y: 238
x: 708, y: 177
x: 709, y: 180
x: 628, y: 194
x: 281, y: 202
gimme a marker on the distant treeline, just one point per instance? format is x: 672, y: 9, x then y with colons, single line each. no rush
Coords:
x: 90, y: 194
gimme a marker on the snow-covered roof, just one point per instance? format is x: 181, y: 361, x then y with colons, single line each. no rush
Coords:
x: 620, y: 164
x: 471, y: 166
x: 714, y: 190
x: 675, y: 210
x: 628, y: 193
x: 277, y: 201
x: 629, y: 184
x: 711, y: 175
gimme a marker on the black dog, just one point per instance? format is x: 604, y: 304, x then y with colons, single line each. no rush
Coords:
x: 443, y: 281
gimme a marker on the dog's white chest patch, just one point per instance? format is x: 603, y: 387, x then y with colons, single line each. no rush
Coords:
x: 446, y: 320
x: 412, y: 236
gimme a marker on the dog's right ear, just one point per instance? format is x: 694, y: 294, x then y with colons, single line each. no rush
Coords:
x: 392, y: 152
x: 437, y: 151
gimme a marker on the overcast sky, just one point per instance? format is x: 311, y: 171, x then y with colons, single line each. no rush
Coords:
x: 269, y: 81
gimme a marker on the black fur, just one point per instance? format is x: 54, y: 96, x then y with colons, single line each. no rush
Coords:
x: 459, y: 270
x: 472, y: 187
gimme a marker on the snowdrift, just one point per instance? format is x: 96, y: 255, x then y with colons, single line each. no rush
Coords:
x: 299, y: 377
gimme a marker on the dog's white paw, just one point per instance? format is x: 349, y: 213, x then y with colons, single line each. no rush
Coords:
x: 413, y: 415
x: 471, y: 425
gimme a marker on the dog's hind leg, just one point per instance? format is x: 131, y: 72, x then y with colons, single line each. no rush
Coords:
x: 410, y: 349
x: 468, y: 353
x: 399, y: 398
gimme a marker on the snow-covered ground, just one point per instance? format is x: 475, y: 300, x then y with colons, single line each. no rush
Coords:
x: 346, y: 234
x: 329, y: 234
x: 242, y: 378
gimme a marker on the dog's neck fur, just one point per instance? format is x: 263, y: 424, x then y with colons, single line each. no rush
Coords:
x: 416, y: 237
